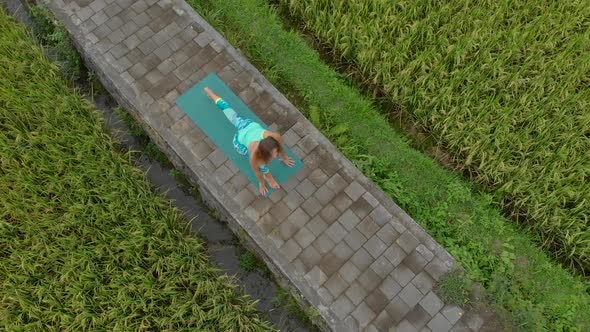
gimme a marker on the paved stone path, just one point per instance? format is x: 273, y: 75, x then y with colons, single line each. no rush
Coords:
x: 347, y: 248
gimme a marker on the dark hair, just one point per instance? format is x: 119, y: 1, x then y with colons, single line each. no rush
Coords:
x: 265, y: 148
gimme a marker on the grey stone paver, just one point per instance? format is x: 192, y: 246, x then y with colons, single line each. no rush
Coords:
x: 349, y: 250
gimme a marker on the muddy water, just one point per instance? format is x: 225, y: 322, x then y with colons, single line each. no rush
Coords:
x: 222, y: 246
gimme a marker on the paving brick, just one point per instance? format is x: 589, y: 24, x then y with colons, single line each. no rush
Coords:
x: 411, y: 295
x: 452, y: 313
x: 148, y: 46
x: 85, y: 13
x: 390, y: 288
x: 418, y: 317
x: 343, y: 251
x: 261, y: 204
x: 342, y: 202
x: 355, y: 239
x: 329, y: 213
x: 290, y: 184
x: 370, y: 280
x: 139, y: 6
x: 405, y: 326
x: 437, y: 268
x: 361, y: 259
x: 330, y: 263
x: 369, y: 198
x: 290, y: 138
x: 291, y: 250
x: 102, y: 31
x: 356, y: 293
x: 382, y: 266
x: 129, y: 28
x: 307, y: 144
x: 275, y: 238
x: 306, y: 188
x: 201, y: 150
x: 324, y: 195
x: 415, y: 262
x: 310, y: 257
x: 311, y: 206
x: 363, y: 314
x: 367, y: 227
x: 276, y: 195
x: 460, y: 327
x: 299, y: 218
x: 471, y: 319
x: 342, y: 307
x: 336, y: 285
x: 163, y: 52
x: 325, y: 295
x: 354, y: 191
x: 304, y: 237
x: 380, y: 215
x: 397, y: 309
x: 266, y: 223
x: 424, y: 282
x: 280, y: 211
x: 403, y: 275
x: 112, y: 9
x: 383, y: 322
x: 99, y: 18
x: 316, y: 277
x: 376, y: 301
x: 374, y: 246
x: 361, y: 208
x: 439, y: 323
x: 336, y: 232
x: 395, y: 254
x: 323, y: 244
x: 431, y: 303
x: 154, y: 77
x: 349, y: 272
x: 407, y: 241
x: 317, y: 225
x: 115, y: 23
x: 239, y: 180
x: 287, y: 229
x: 132, y: 42
x: 222, y: 174
x: 388, y: 234
x: 217, y: 157
x: 352, y: 323
x: 144, y: 33
x: 98, y: 5
x: 349, y: 220
x: 293, y: 200
x: 425, y: 252
x: 337, y: 183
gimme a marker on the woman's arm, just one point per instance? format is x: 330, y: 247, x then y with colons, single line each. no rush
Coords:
x: 288, y: 161
x: 262, y: 184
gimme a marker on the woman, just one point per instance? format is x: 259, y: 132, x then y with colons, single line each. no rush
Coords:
x: 252, y: 140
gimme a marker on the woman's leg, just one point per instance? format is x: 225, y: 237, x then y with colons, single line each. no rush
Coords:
x: 229, y: 112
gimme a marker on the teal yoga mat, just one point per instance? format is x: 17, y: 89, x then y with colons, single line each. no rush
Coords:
x: 213, y: 122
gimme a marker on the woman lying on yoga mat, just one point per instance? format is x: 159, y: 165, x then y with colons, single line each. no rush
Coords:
x: 252, y: 140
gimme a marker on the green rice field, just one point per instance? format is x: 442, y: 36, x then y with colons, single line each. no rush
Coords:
x: 85, y: 242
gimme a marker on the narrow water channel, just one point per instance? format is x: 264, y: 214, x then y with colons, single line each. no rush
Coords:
x: 223, y: 248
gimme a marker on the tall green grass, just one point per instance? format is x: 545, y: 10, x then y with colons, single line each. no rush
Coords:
x: 520, y: 279
x: 85, y: 242
x: 503, y: 85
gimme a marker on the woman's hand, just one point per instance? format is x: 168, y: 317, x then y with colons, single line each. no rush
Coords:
x: 262, y: 188
x: 288, y: 161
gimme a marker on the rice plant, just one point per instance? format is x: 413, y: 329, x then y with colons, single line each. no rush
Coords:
x: 85, y: 242
x: 504, y: 85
